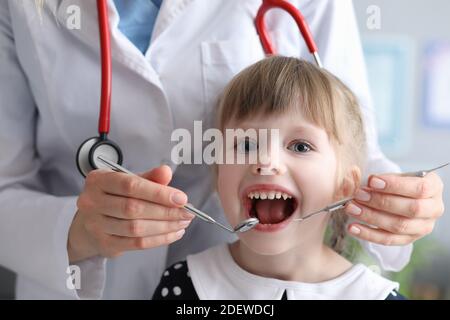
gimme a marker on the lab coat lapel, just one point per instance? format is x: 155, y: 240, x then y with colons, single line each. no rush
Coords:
x: 88, y: 31
x: 122, y: 49
x: 170, y: 9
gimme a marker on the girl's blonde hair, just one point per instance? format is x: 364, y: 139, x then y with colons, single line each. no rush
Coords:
x: 277, y: 85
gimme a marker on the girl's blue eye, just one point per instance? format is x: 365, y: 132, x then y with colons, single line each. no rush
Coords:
x: 246, y: 145
x: 300, y: 147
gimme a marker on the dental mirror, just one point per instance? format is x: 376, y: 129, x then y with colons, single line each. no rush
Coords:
x: 243, y: 226
x: 246, y: 225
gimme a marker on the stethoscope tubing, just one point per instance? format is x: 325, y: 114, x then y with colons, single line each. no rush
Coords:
x: 105, y: 51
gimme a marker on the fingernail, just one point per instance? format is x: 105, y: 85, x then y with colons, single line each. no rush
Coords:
x: 355, y: 230
x: 180, y: 233
x: 354, y: 210
x: 179, y: 198
x: 377, y: 183
x: 184, y: 223
x: 362, y: 195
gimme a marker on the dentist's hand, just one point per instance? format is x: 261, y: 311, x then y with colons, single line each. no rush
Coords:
x: 118, y: 212
x: 400, y: 209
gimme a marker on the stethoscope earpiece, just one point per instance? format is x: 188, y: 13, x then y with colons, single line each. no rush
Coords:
x: 87, y: 155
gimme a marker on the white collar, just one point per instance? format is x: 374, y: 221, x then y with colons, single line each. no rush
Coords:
x: 216, y: 276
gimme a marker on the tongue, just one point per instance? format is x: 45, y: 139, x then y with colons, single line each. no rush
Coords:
x: 271, y: 211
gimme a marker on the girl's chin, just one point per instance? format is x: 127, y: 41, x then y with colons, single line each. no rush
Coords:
x: 267, y: 247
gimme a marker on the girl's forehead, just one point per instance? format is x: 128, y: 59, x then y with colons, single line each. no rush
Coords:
x: 282, y: 121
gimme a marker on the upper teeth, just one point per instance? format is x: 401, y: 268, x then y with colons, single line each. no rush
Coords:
x: 268, y: 195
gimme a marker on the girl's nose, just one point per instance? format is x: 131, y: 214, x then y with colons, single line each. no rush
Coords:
x: 269, y: 169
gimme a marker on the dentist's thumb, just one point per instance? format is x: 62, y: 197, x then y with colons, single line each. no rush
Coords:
x: 161, y: 175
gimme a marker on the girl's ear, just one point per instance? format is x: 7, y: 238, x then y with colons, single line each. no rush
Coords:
x: 352, y: 181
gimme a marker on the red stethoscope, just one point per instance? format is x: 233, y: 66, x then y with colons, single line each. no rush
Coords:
x: 90, y: 149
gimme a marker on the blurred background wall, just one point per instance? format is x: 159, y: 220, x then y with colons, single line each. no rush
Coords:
x: 417, y: 22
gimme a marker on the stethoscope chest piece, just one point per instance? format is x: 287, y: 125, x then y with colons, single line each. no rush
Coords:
x: 87, y: 155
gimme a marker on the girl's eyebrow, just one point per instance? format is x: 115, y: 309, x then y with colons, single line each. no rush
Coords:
x: 250, y: 125
x: 306, y: 130
x: 243, y: 125
x: 296, y: 129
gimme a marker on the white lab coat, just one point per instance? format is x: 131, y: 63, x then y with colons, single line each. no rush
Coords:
x: 49, y: 102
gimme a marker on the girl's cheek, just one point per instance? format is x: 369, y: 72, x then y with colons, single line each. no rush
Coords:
x: 227, y: 180
x: 220, y: 180
x: 313, y: 177
x: 227, y: 186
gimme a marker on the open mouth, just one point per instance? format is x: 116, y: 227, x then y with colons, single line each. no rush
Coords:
x: 270, y: 206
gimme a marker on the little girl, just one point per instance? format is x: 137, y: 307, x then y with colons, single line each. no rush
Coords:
x: 316, y: 160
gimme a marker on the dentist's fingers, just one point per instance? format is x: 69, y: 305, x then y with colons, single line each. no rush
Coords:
x: 379, y: 236
x: 133, y: 186
x: 161, y: 175
x: 427, y: 208
x: 390, y: 222
x: 140, y: 228
x: 128, y: 197
x: 131, y: 208
x: 412, y: 187
x: 401, y: 209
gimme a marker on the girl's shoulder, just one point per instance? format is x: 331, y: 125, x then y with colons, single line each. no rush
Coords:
x: 176, y: 284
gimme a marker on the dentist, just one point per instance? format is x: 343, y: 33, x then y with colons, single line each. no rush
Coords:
x: 170, y: 62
